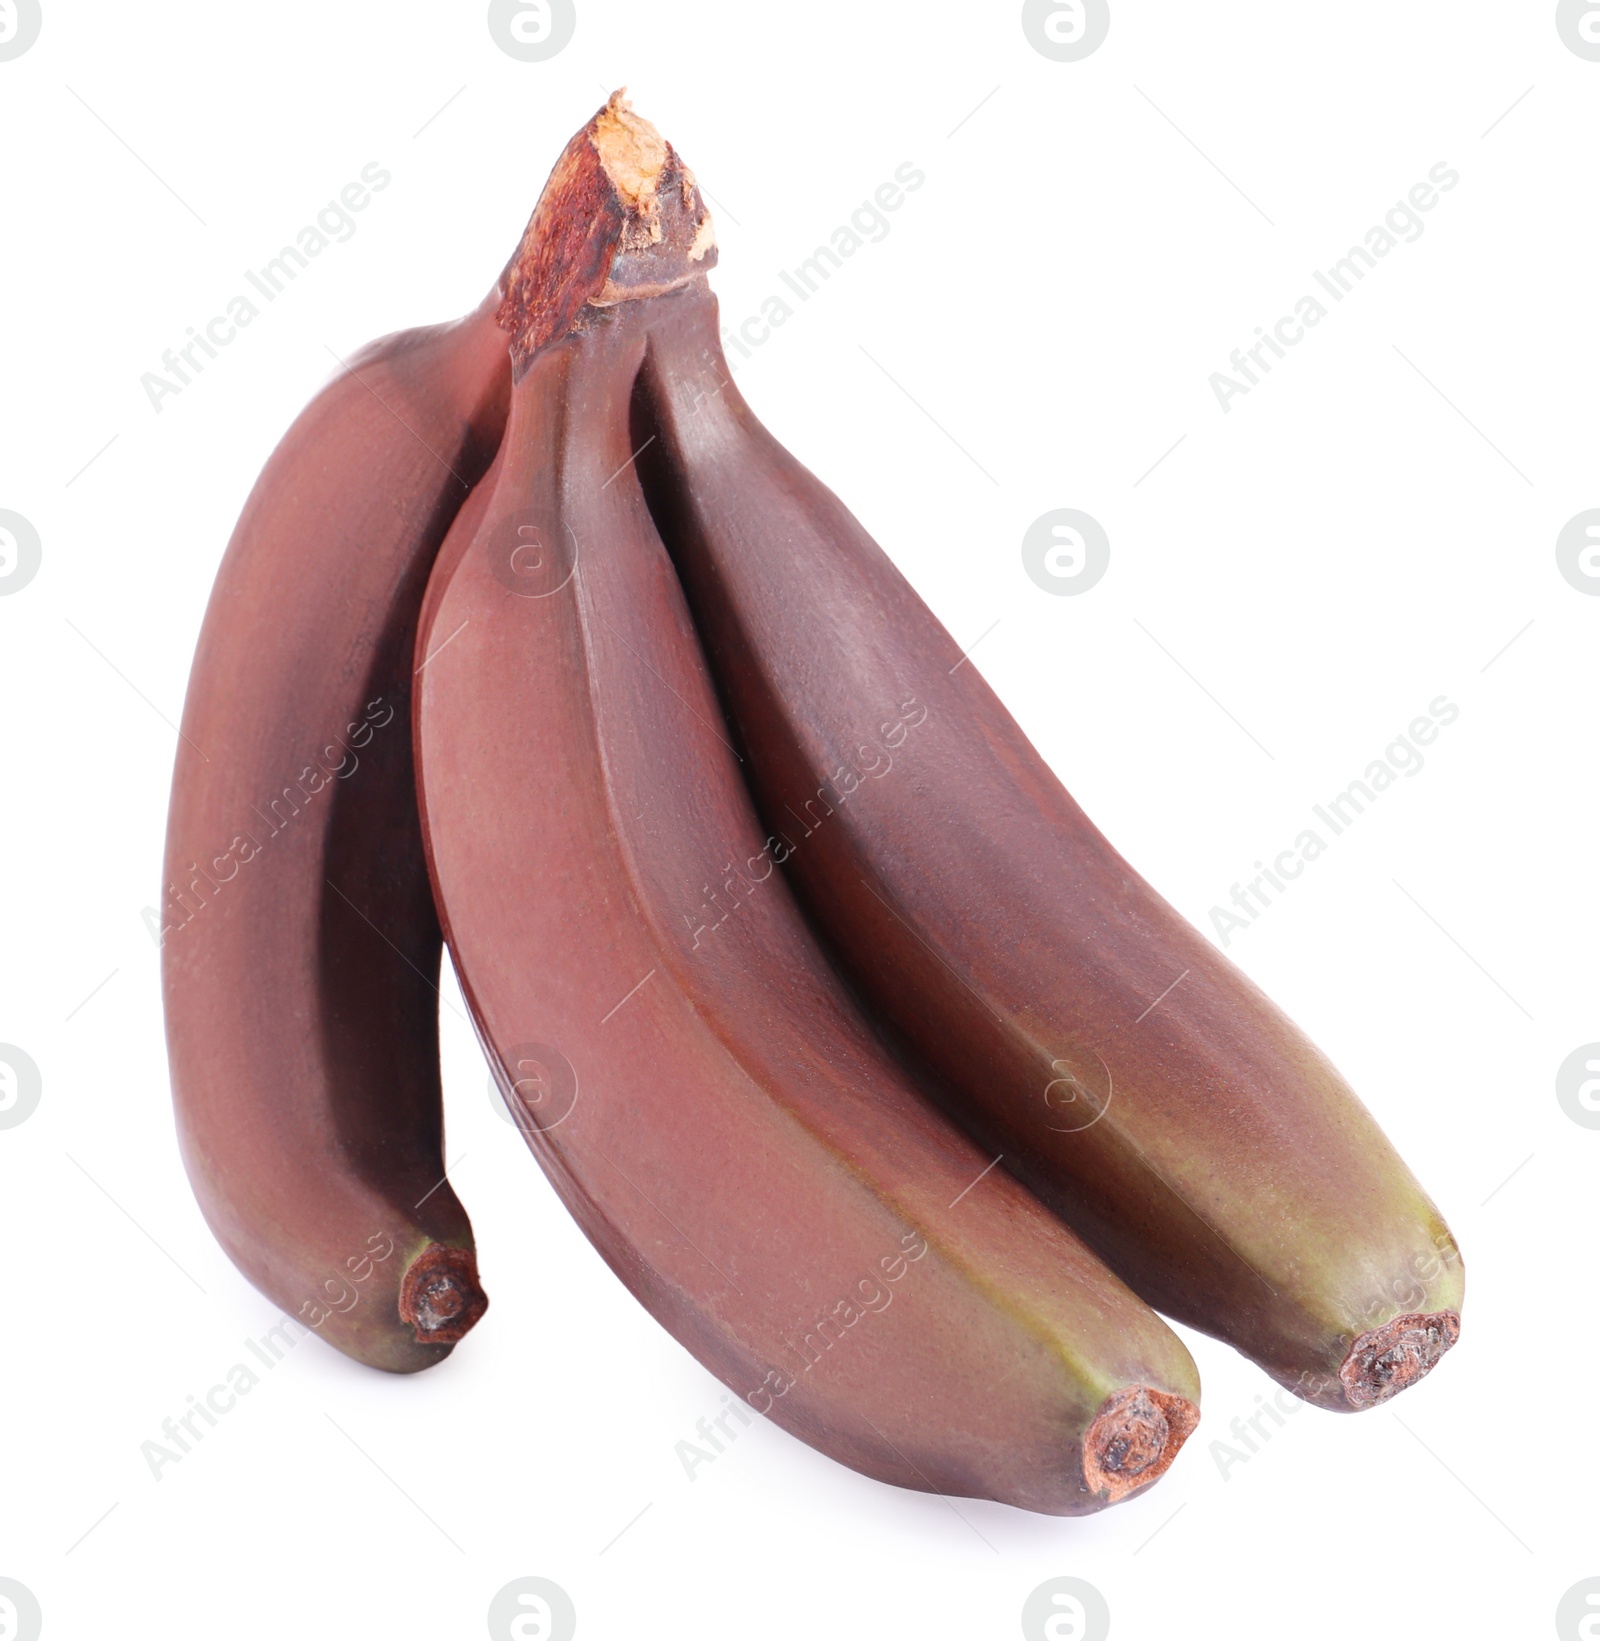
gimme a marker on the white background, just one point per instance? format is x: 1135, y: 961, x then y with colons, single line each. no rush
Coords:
x: 1364, y: 532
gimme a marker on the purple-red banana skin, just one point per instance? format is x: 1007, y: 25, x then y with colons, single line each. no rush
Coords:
x: 300, y: 947
x: 1199, y: 1143
x: 731, y: 1134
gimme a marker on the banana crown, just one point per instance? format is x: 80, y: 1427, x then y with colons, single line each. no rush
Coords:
x: 620, y: 218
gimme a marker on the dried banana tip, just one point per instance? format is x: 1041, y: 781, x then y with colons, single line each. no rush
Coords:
x: 440, y: 1297
x: 1134, y: 1439
x: 1382, y: 1363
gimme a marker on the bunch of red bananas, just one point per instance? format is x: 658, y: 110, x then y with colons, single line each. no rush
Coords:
x: 823, y: 1006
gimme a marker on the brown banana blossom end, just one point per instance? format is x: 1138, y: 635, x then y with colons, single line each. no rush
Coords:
x: 1134, y: 1439
x: 1382, y: 1363
x: 440, y: 1297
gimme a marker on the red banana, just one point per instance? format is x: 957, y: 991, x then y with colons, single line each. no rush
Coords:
x: 1128, y: 1073
x: 727, y: 1128
x: 300, y: 948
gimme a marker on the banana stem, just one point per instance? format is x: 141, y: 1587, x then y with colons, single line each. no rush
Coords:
x: 621, y: 218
